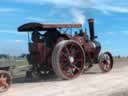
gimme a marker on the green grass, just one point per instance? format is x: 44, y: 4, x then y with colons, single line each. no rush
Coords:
x: 21, y: 62
x: 13, y: 62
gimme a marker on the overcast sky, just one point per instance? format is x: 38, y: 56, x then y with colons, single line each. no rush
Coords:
x: 111, y: 21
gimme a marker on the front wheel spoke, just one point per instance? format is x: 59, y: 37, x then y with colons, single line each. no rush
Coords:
x: 109, y: 62
x: 104, y: 66
x: 104, y: 57
x: 108, y: 66
x: 107, y: 58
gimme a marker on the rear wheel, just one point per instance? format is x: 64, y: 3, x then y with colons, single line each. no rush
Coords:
x: 68, y: 59
x: 5, y: 81
x: 106, y: 62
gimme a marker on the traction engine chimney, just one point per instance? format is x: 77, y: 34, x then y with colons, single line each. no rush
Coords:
x: 91, y: 29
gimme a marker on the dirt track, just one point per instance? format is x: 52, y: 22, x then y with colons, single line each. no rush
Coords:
x: 93, y: 83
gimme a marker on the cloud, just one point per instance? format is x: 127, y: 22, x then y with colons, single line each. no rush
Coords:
x: 19, y: 41
x: 118, y: 9
x: 7, y: 10
x: 34, y: 18
x: 108, y: 6
x: 6, y: 31
x: 13, y: 47
x: 110, y: 33
x: 60, y: 3
x: 9, y: 31
x: 119, y: 34
x: 78, y: 16
x: 124, y: 32
x: 37, y: 19
x: 13, y: 41
x: 107, y: 9
x: 105, y: 6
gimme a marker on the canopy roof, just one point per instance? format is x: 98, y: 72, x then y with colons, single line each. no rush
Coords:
x: 42, y: 27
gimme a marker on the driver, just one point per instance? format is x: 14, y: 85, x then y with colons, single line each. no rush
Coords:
x: 36, y: 36
x: 38, y: 46
x: 84, y: 34
x: 51, y: 36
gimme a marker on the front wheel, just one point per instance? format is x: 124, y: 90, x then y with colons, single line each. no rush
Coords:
x: 106, y: 62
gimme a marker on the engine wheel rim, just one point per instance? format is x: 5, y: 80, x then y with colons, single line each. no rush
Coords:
x: 106, y: 62
x: 71, y: 60
x: 5, y: 81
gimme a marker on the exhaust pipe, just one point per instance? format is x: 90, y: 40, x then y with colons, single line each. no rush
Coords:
x: 91, y: 29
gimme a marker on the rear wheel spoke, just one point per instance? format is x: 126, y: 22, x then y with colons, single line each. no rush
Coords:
x: 64, y: 54
x: 67, y: 51
x: 77, y: 68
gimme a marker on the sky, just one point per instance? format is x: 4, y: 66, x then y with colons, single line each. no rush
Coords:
x: 111, y: 21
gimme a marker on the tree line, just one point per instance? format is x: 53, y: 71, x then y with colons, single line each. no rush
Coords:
x: 6, y: 56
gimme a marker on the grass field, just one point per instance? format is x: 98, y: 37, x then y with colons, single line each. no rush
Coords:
x: 20, y: 65
x: 23, y: 61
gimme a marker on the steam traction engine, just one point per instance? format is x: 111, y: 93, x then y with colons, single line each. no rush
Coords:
x: 64, y: 54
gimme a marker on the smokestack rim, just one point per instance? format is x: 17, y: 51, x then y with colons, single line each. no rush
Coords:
x: 91, y: 20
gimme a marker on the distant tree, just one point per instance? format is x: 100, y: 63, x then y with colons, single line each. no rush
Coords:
x: 119, y: 57
x: 4, y: 56
x: 115, y: 56
x: 22, y: 56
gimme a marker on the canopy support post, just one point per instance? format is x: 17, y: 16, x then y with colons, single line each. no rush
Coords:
x: 28, y: 38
